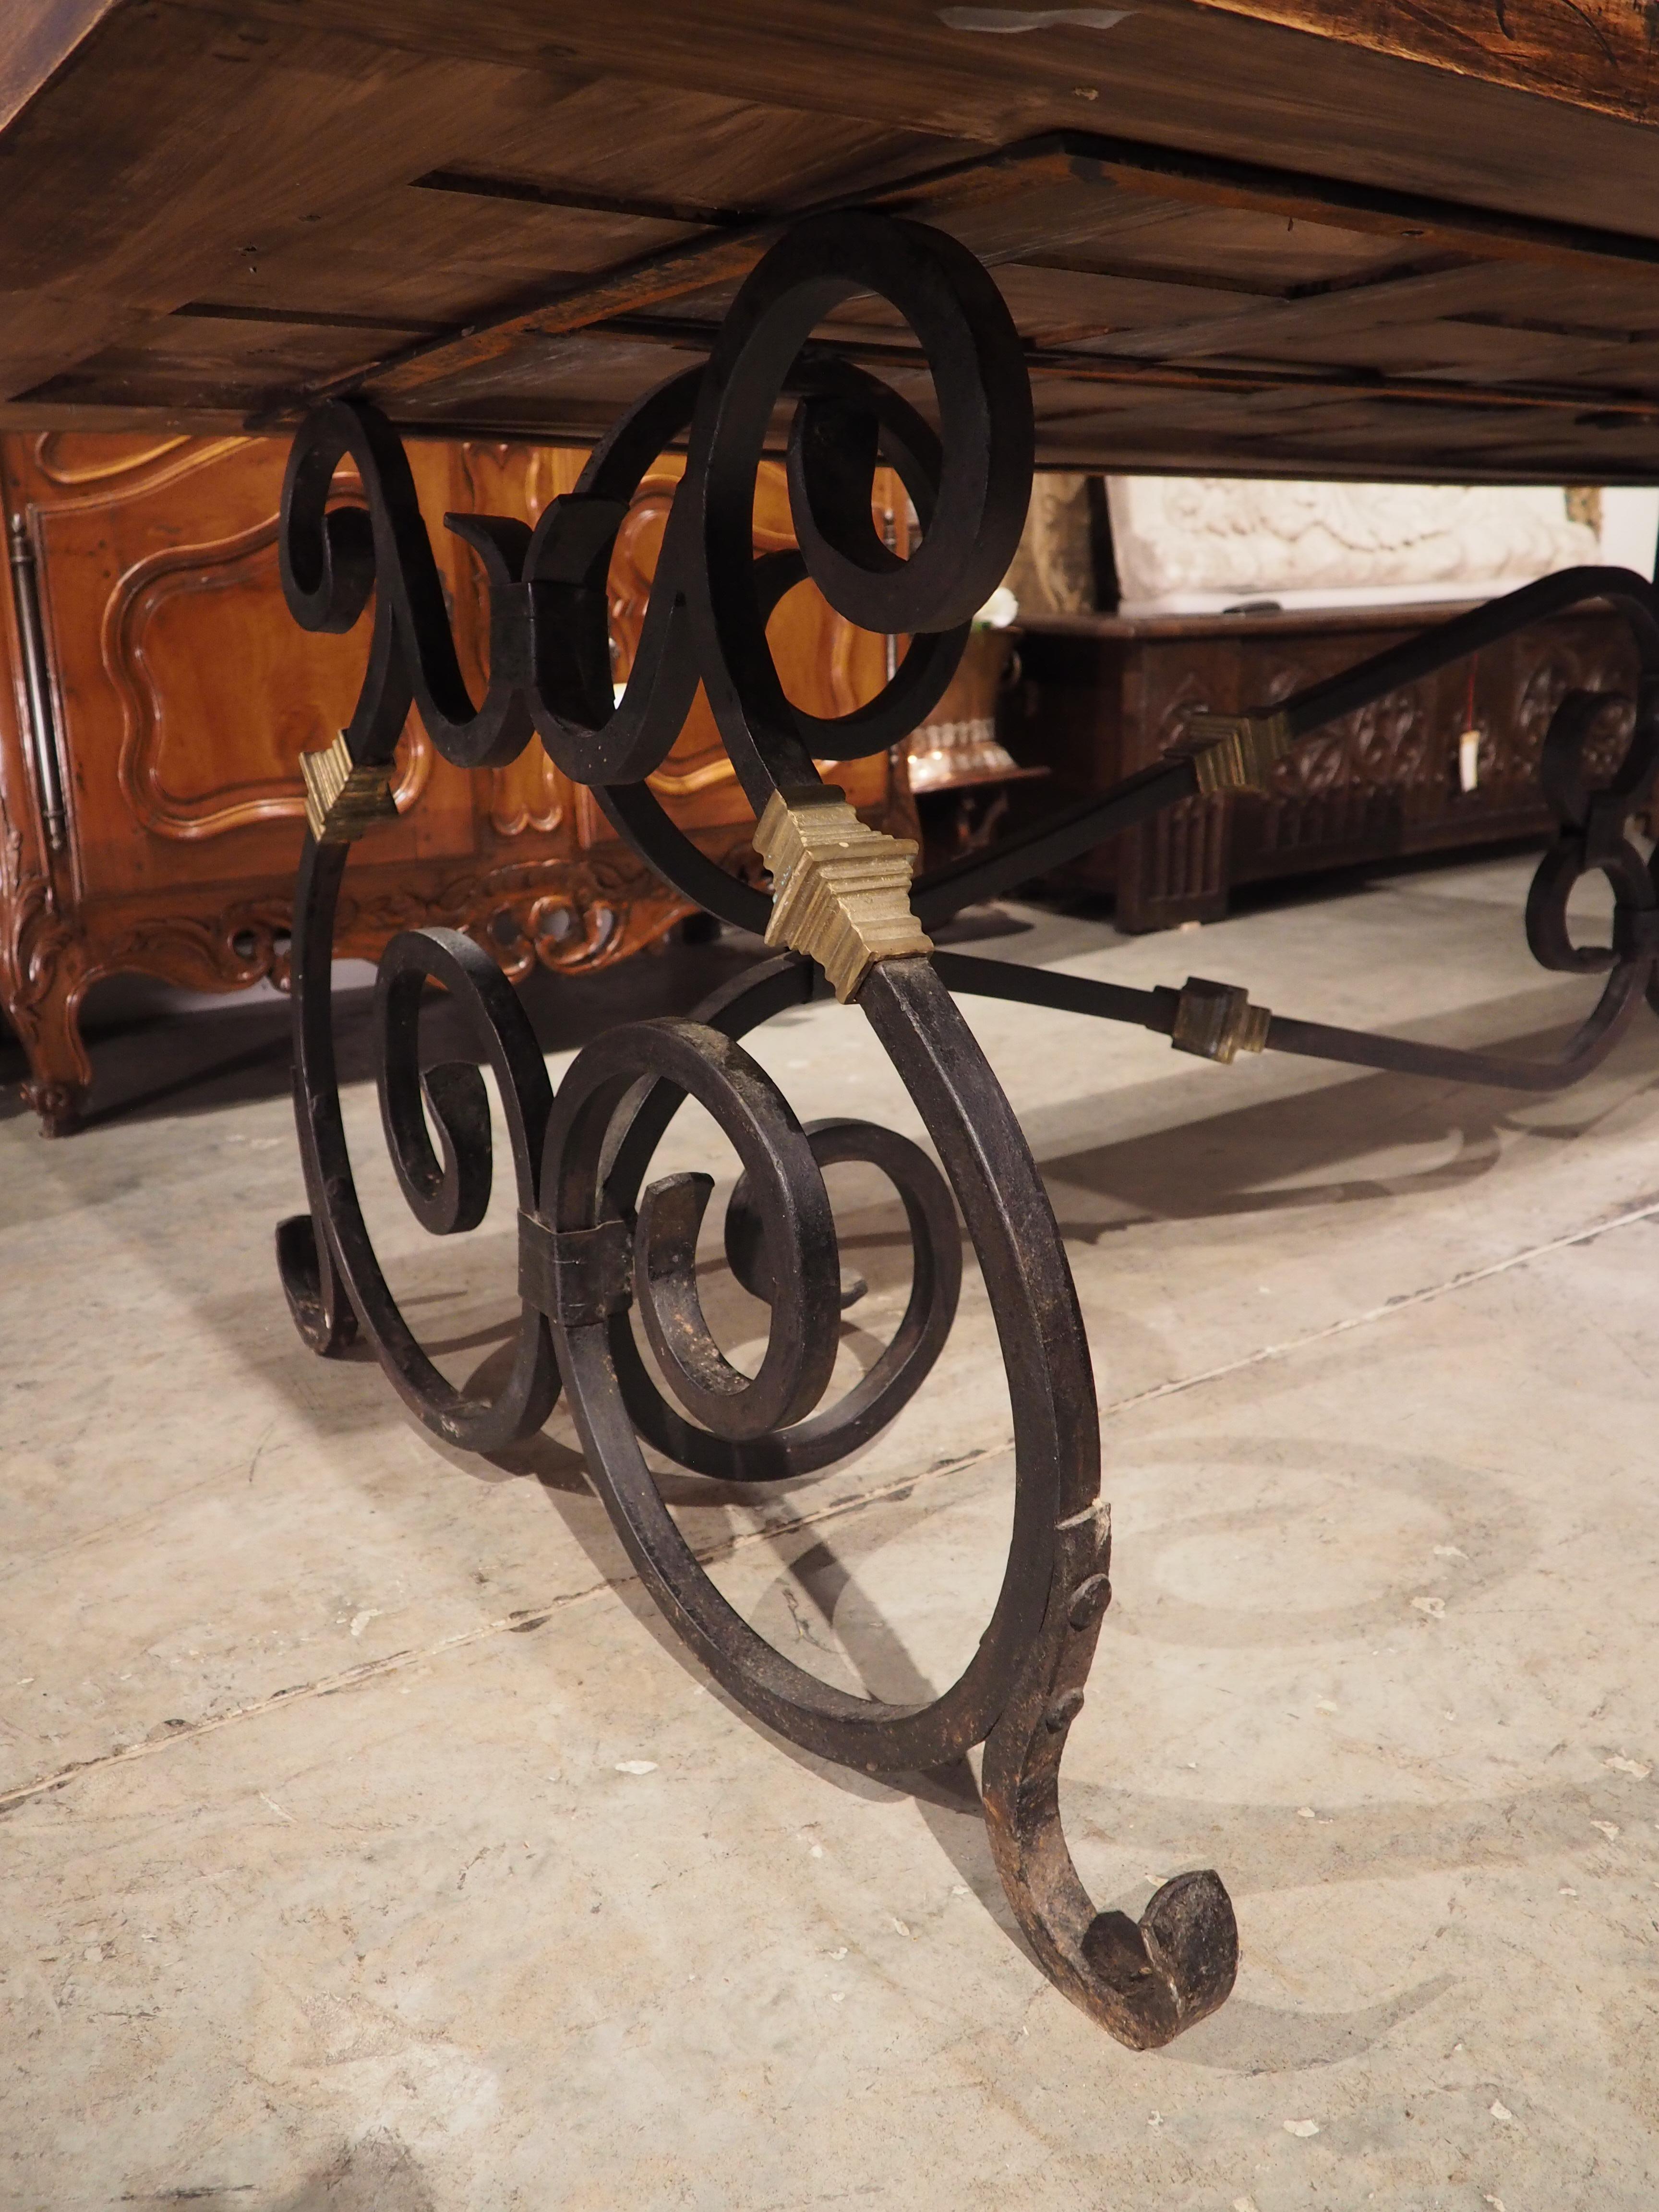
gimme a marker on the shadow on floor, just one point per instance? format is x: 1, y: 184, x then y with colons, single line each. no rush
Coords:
x: 376, y: 2173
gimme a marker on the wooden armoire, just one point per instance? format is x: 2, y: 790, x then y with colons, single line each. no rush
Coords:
x: 155, y: 697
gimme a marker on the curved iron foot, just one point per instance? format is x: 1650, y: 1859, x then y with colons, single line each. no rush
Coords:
x: 1143, y: 1981
x: 324, y: 1316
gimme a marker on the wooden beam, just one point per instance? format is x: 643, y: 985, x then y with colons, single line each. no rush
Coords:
x: 1231, y: 378
x: 1598, y: 54
x: 35, y: 42
x: 952, y: 194
x: 1488, y: 234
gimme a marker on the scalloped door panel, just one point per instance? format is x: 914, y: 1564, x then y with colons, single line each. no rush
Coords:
x: 186, y: 693
x: 827, y: 666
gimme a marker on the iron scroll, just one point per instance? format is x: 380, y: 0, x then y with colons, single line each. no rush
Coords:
x: 601, y: 1246
x: 605, y: 1251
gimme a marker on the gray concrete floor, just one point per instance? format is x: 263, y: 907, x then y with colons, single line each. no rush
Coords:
x: 367, y: 1843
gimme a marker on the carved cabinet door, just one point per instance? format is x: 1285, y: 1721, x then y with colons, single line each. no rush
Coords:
x: 828, y: 666
x: 175, y: 697
x: 185, y: 695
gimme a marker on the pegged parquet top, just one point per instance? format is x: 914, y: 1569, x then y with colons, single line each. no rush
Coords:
x: 1304, y: 237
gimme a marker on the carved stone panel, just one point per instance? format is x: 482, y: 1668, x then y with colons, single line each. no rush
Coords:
x: 1195, y: 544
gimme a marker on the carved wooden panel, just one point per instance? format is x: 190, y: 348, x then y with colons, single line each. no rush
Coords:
x: 1178, y: 860
x: 181, y: 695
x: 184, y: 697
x: 828, y: 666
x: 1104, y: 697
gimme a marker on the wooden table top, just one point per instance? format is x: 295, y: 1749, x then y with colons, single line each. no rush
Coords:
x: 1288, y: 237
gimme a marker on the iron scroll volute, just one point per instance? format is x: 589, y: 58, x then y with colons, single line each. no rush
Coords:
x: 601, y: 1245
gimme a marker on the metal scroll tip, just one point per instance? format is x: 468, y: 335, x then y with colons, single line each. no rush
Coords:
x: 1174, y: 1968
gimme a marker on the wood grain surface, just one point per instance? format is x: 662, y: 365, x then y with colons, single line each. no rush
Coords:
x: 1280, y: 236
x: 182, y: 694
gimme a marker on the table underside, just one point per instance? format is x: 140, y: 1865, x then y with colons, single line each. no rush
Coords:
x: 233, y: 215
x: 1228, y: 244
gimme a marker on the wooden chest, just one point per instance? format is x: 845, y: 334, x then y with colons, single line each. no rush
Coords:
x: 1101, y: 696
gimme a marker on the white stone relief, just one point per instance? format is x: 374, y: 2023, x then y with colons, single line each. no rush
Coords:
x: 1197, y: 544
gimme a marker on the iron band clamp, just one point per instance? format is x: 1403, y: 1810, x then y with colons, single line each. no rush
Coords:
x: 1215, y: 1020
x: 344, y: 798
x: 575, y: 1276
x: 1233, y: 752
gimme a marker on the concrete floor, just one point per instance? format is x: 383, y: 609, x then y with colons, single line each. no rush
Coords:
x: 368, y: 1844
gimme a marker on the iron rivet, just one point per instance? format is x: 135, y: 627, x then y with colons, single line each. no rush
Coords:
x: 1089, y: 1601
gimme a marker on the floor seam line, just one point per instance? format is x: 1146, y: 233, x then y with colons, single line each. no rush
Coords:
x: 522, y: 1618
x: 1464, y: 1280
x: 526, y: 1616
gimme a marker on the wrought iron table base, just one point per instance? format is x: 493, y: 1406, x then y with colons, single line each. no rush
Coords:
x: 602, y: 1248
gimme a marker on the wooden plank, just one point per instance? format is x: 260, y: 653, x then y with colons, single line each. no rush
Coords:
x: 620, y: 134
x: 894, y: 64
x: 1241, y: 76
x: 41, y: 36
x: 162, y: 167
x: 1592, y: 53
x: 434, y: 260
x: 1019, y: 188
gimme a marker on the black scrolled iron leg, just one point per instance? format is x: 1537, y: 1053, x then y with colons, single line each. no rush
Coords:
x: 1055, y: 1444
x: 323, y: 1313
x: 1146, y: 1985
x: 596, y: 1238
x: 1146, y: 1981
x: 317, y: 1298
x: 601, y: 1248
